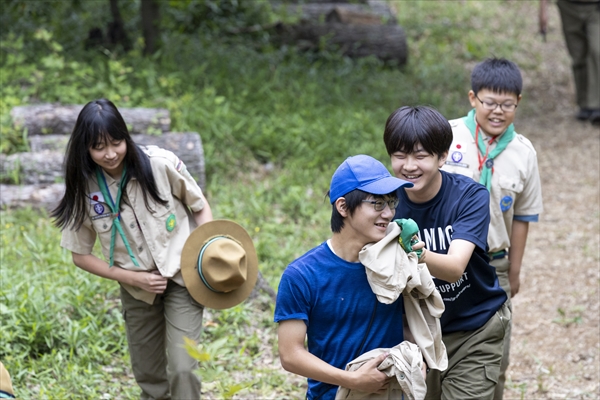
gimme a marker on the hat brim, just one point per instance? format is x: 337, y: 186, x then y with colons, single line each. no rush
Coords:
x: 385, y: 185
x: 189, y: 264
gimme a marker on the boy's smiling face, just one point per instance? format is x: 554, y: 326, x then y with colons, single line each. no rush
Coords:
x: 493, y: 122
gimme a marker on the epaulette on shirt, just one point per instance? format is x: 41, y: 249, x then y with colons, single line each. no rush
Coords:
x: 155, y: 151
x: 526, y: 142
x: 454, y: 123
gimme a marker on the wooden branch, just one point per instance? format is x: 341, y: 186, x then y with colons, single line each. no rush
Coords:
x: 60, y: 119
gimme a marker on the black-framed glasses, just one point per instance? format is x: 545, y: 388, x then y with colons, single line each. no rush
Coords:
x: 492, y: 105
x: 379, y: 205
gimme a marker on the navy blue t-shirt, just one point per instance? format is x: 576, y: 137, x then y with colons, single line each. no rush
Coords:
x: 333, y: 297
x: 460, y: 210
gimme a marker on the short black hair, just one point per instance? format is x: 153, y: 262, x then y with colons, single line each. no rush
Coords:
x: 408, y: 126
x: 498, y: 75
x: 353, y: 201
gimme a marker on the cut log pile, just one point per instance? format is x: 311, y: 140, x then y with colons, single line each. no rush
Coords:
x: 358, y: 29
x: 34, y: 178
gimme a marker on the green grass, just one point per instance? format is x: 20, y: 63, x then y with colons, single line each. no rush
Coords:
x: 274, y: 124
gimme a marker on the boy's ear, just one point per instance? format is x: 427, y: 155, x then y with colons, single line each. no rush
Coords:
x: 472, y: 98
x: 442, y: 159
x: 342, y: 208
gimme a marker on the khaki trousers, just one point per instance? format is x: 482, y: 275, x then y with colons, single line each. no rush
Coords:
x: 502, y: 266
x: 581, y: 28
x: 162, y: 367
x: 474, y: 359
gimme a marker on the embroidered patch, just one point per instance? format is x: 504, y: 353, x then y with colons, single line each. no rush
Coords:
x: 457, y: 164
x: 489, y: 163
x: 99, y: 208
x: 171, y: 222
x: 101, y: 216
x: 456, y: 156
x: 96, y: 197
x: 459, y: 146
x: 506, y: 203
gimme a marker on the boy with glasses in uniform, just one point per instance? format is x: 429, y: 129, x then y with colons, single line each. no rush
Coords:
x: 486, y: 148
x: 452, y: 212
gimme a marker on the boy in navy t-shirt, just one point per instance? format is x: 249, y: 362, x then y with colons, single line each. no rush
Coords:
x: 324, y: 296
x: 452, y: 213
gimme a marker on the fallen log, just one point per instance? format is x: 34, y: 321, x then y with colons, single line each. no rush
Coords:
x: 44, y: 164
x: 386, y: 42
x: 369, y: 12
x: 35, y: 196
x: 43, y: 119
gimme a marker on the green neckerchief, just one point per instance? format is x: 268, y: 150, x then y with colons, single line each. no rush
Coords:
x: 114, y: 207
x: 503, y: 141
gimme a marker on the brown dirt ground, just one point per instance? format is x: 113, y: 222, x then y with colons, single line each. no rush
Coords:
x: 555, y: 351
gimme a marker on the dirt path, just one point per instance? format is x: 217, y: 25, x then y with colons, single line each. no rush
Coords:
x: 555, y: 352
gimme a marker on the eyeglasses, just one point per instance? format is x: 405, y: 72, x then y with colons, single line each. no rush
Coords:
x: 491, y: 106
x: 379, y: 205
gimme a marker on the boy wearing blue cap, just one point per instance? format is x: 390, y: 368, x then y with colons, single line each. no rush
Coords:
x: 324, y: 296
x: 452, y: 212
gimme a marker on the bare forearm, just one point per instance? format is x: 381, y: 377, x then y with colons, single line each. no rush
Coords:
x: 444, y: 266
x: 298, y: 360
x: 518, y: 241
x: 450, y: 266
x: 96, y: 266
x: 204, y: 215
x: 303, y: 363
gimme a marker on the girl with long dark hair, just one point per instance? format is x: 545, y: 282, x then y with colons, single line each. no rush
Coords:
x: 142, y: 204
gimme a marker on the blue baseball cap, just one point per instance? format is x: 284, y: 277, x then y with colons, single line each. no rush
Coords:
x: 364, y: 173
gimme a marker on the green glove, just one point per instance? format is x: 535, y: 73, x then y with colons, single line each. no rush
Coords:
x: 407, y: 236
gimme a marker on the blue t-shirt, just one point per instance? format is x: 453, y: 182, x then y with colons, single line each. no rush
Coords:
x: 460, y: 210
x: 333, y: 297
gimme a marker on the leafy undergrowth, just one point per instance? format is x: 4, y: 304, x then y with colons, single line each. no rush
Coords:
x: 274, y: 124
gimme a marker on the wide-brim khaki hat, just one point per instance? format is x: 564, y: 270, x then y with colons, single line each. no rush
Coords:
x: 219, y: 264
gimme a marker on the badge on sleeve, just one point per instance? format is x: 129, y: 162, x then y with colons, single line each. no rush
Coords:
x: 171, y: 222
x: 456, y: 156
x: 506, y: 203
x: 96, y: 197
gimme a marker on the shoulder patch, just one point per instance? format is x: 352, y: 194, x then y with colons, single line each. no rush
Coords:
x: 180, y: 165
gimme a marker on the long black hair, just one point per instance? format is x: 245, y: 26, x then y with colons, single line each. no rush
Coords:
x: 99, y: 121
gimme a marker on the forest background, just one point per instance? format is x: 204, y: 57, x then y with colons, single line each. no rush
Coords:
x: 275, y: 122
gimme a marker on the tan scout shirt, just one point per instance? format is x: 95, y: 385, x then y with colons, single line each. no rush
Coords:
x: 153, y: 245
x: 516, y: 189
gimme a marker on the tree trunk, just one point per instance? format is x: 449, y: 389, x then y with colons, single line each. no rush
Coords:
x: 318, y: 12
x: 387, y: 42
x: 58, y: 119
x: 149, y: 10
x: 116, y: 29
